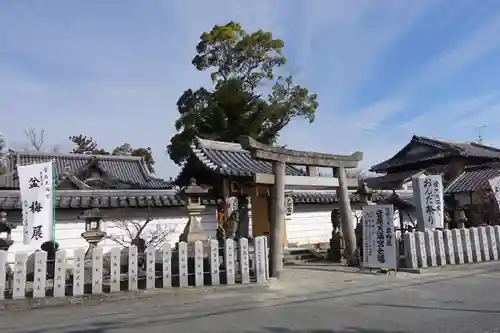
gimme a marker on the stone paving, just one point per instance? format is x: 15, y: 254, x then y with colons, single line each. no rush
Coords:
x: 312, y: 299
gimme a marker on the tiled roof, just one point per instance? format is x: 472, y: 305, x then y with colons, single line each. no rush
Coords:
x: 230, y: 159
x: 83, y: 199
x: 129, y: 170
x: 442, y: 149
x: 329, y: 197
x: 390, y: 181
x: 398, y: 202
x: 474, y: 178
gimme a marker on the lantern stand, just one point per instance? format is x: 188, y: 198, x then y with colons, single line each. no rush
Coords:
x: 194, y: 230
x: 93, y: 233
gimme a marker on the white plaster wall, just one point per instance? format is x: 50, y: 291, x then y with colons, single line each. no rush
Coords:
x: 311, y: 224
x: 308, y: 227
x: 68, y: 233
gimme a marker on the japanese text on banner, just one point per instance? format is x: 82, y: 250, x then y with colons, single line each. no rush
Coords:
x: 36, y: 186
x: 431, y: 200
x: 379, y: 238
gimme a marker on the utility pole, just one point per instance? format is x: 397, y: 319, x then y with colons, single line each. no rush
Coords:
x: 479, y: 136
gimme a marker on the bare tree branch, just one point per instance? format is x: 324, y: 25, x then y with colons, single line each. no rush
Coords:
x: 359, y: 174
x: 35, y: 138
x: 134, y: 230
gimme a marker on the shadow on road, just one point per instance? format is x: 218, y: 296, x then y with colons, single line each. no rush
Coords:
x: 97, y: 325
x: 278, y: 330
x: 433, y: 308
x: 344, y: 330
x: 333, y: 268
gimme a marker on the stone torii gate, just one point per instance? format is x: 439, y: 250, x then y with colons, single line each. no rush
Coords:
x: 279, y: 157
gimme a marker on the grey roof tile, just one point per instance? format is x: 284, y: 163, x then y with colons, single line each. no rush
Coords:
x: 230, y: 159
x: 474, y: 178
x: 74, y: 199
x: 443, y: 149
x: 330, y: 197
x: 129, y: 170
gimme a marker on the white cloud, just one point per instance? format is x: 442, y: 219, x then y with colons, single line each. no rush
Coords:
x: 481, y: 42
x: 115, y: 72
x: 454, y: 118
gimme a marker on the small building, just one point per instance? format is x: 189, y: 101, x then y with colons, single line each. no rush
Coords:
x: 120, y: 186
x: 472, y: 194
x: 432, y: 156
x: 231, y: 171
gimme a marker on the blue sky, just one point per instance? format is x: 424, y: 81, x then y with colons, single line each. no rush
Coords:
x: 384, y: 70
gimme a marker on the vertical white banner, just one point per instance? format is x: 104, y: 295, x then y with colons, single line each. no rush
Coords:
x: 36, y: 186
x: 430, y: 189
x: 495, y: 187
x: 379, y: 237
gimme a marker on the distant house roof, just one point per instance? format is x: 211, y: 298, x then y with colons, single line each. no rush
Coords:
x: 391, y: 181
x: 128, y: 171
x: 398, y: 202
x: 230, y: 159
x: 474, y: 178
x: 440, y: 149
x: 330, y: 197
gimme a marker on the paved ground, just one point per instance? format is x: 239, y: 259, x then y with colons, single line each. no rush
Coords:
x: 309, y: 300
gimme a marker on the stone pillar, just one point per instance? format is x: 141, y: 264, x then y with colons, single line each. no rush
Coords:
x: 193, y: 231
x: 277, y: 218
x: 311, y: 171
x: 347, y: 217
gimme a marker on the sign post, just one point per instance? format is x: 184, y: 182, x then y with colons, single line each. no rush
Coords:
x: 380, y: 248
x: 36, y: 184
x: 428, y: 192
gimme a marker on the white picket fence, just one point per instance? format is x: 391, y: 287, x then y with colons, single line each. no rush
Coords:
x: 451, y: 247
x: 238, y: 263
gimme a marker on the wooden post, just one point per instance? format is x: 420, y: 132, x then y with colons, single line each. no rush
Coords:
x: 277, y: 219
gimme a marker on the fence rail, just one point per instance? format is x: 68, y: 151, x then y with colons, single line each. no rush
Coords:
x: 197, y: 264
x: 451, y: 247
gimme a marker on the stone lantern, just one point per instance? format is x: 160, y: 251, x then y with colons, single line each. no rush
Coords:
x: 93, y: 233
x: 365, y: 193
x: 192, y: 196
x: 5, y: 227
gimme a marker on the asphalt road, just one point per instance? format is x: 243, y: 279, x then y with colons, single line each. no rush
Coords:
x: 309, y: 300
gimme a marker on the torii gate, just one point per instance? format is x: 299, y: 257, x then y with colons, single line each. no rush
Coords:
x: 279, y: 157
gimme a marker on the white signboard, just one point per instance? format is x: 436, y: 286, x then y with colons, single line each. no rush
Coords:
x: 36, y: 186
x: 379, y: 237
x: 431, y: 201
x: 495, y: 187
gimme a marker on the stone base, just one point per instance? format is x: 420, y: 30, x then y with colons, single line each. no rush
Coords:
x: 335, y: 255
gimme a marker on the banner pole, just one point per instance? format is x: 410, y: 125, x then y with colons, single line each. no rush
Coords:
x: 54, y: 204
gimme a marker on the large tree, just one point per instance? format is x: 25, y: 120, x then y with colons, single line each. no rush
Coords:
x: 87, y: 145
x: 246, y: 99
